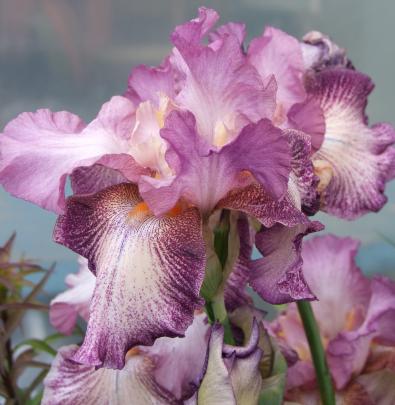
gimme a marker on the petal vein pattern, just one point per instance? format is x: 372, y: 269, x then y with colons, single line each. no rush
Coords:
x: 149, y: 270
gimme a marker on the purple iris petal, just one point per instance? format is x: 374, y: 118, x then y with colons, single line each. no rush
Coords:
x: 149, y: 270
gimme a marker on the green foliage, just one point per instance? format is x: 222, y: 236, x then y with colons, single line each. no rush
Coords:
x: 15, y: 359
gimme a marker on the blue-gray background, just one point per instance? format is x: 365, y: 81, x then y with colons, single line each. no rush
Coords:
x: 74, y: 55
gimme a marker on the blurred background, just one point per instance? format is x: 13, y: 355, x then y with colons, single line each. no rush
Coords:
x: 75, y: 54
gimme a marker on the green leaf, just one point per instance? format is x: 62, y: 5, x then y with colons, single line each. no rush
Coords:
x: 39, y: 346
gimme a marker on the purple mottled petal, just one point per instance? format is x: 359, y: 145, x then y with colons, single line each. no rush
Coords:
x: 254, y: 201
x: 150, y: 287
x: 69, y: 383
x: 360, y: 156
x: 65, y: 307
x: 348, y: 352
x: 278, y: 276
x: 320, y: 52
x: 308, y: 117
x: 220, y: 88
x: 39, y: 150
x: 87, y: 180
x: 279, y: 54
x: 204, y: 178
x: 235, y: 288
x: 302, y: 180
x: 342, y: 290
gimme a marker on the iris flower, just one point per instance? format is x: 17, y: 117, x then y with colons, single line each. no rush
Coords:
x: 356, y: 317
x: 214, y: 127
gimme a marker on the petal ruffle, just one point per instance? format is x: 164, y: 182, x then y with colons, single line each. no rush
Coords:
x: 279, y: 54
x: 205, y: 176
x: 39, y: 150
x: 342, y: 290
x: 65, y: 307
x: 360, y: 156
x: 348, y: 352
x: 278, y: 276
x: 150, y: 287
x: 219, y: 87
x: 70, y: 383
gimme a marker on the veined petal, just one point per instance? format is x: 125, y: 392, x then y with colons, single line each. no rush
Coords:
x: 342, y: 290
x: 39, y: 150
x: 279, y: 54
x: 278, y: 276
x: 70, y: 383
x: 150, y: 287
x: 237, y: 30
x: 204, y: 176
x: 220, y: 88
x: 65, y: 307
x: 360, y: 156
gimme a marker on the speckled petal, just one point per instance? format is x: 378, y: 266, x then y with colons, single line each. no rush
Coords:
x: 39, y: 150
x: 150, y: 286
x: 204, y: 176
x: 66, y: 306
x: 278, y: 276
x: 360, y: 156
x: 70, y: 383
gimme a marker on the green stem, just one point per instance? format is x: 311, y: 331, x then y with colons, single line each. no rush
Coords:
x: 317, y: 353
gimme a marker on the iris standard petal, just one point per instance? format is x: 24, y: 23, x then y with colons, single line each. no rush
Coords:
x: 204, y: 176
x: 359, y: 156
x: 279, y: 54
x: 149, y: 270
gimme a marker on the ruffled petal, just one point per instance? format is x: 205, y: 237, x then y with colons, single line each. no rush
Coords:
x: 238, y: 30
x: 219, y: 87
x: 39, y: 150
x: 69, y: 383
x: 279, y: 54
x: 205, y: 176
x: 359, y: 156
x: 343, y: 292
x: 254, y: 201
x: 348, y: 352
x: 65, y: 307
x: 278, y: 276
x: 150, y: 288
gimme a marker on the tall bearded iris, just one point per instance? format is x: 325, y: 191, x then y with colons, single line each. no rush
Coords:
x: 213, y: 129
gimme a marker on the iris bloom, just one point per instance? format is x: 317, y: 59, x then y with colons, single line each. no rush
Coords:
x: 213, y: 127
x: 356, y: 317
x: 168, y: 372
